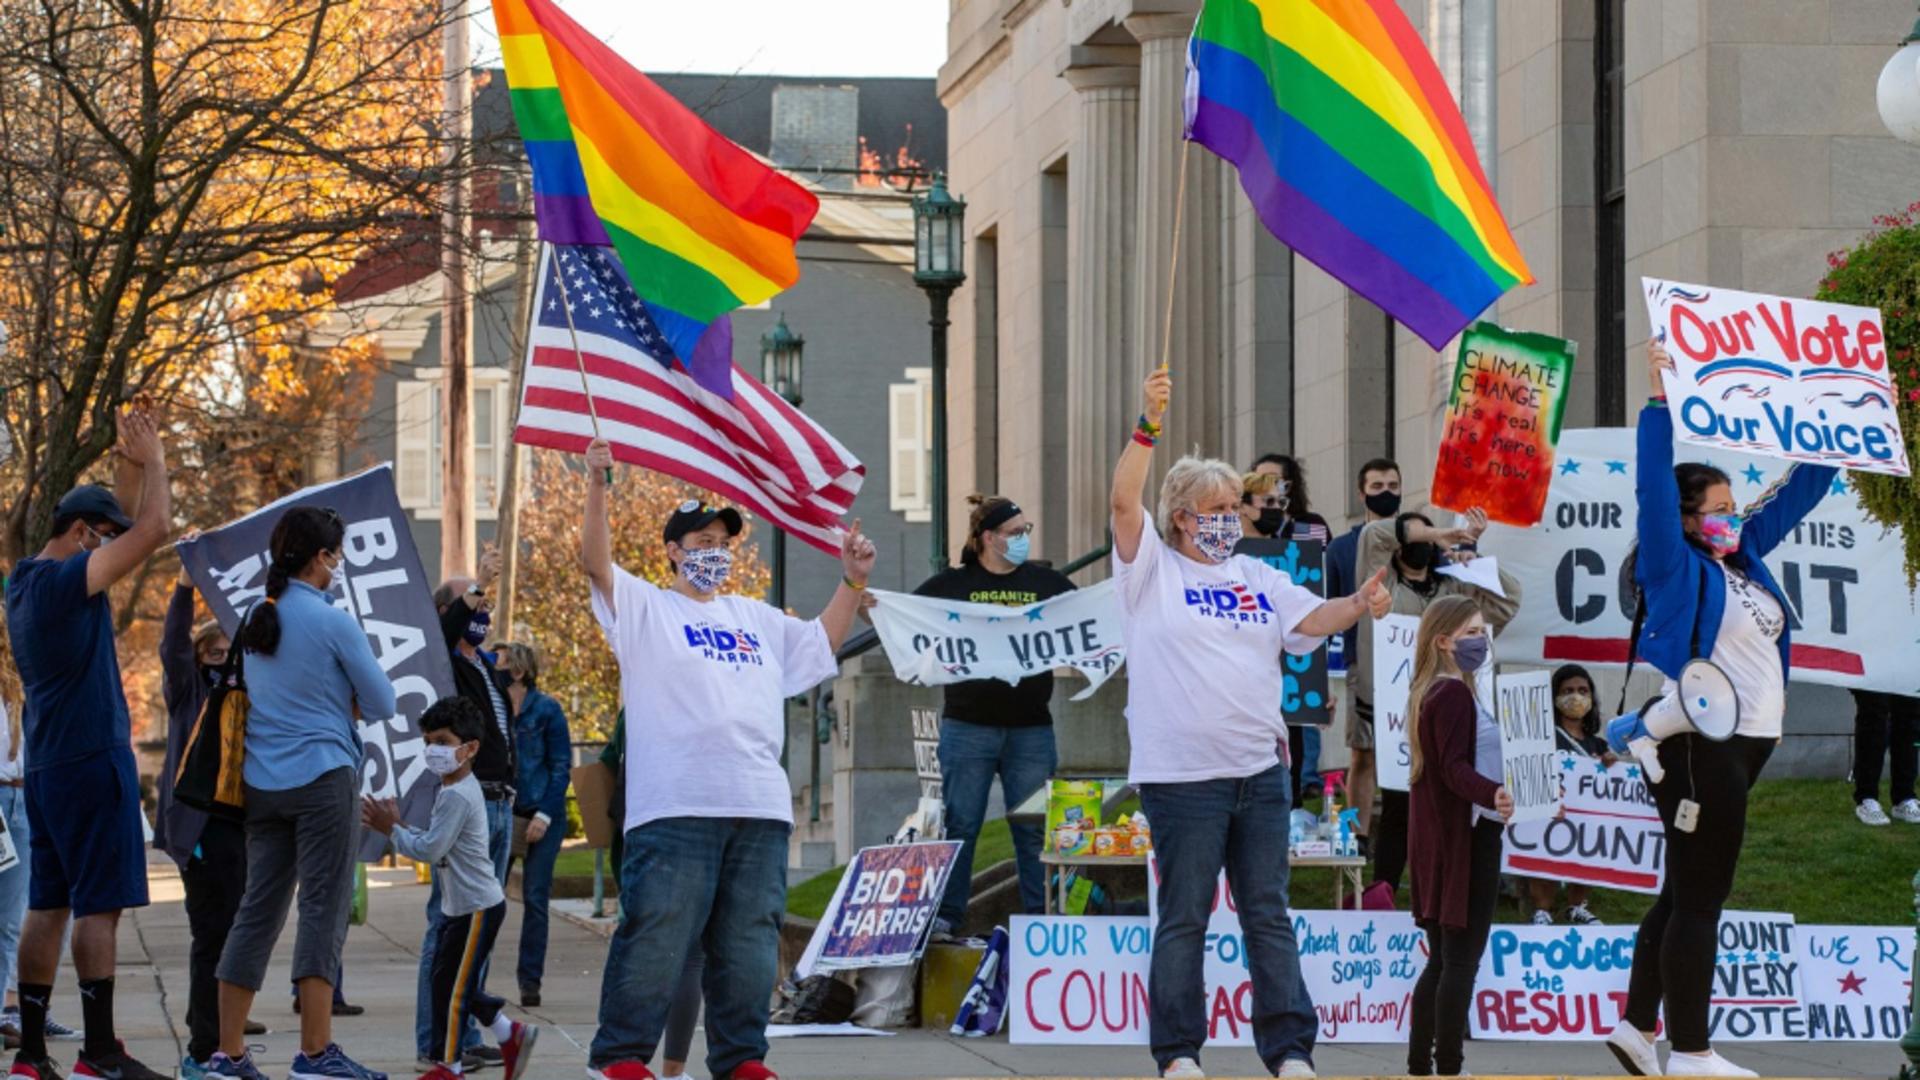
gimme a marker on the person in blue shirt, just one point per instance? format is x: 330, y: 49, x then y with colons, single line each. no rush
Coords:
x: 87, y: 854
x: 545, y: 763
x: 310, y: 674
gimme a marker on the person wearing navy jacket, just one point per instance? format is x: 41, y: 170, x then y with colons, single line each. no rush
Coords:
x: 1706, y: 593
x: 545, y: 761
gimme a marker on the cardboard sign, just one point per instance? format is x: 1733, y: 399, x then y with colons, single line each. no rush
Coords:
x: 882, y: 909
x: 1797, y: 379
x: 1610, y: 836
x: 1393, y: 638
x: 1503, y: 420
x: 593, y: 786
x: 1756, y: 980
x: 1854, y: 621
x: 1303, y: 693
x: 934, y: 642
x: 1857, y: 982
x: 1552, y: 982
x: 1529, y: 759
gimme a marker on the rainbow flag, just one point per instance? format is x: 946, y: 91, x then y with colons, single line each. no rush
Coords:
x: 701, y: 226
x: 1353, y: 153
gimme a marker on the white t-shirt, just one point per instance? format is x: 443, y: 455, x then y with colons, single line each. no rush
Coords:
x: 1203, y: 658
x: 705, y: 686
x: 1748, y: 650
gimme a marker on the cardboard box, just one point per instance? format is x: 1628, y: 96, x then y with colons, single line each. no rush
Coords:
x: 593, y: 785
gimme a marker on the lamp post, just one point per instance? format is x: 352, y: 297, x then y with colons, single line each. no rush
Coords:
x: 939, y: 267
x: 1898, y: 95
x: 781, y: 355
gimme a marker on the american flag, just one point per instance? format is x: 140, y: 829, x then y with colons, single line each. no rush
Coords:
x: 754, y: 449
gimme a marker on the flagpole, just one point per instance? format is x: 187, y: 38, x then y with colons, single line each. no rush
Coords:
x: 1173, y: 267
x: 566, y: 307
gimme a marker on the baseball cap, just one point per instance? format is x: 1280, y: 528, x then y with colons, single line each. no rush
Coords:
x: 694, y: 514
x: 95, y: 503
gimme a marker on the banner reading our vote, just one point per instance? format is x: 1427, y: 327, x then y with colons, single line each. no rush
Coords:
x: 933, y: 642
x: 1798, y: 379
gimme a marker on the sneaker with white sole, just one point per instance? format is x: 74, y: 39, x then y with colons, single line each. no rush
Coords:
x: 1634, y: 1050
x: 1542, y: 918
x: 1581, y: 915
x: 1183, y: 1069
x: 1869, y: 813
x: 1908, y: 811
x: 1707, y: 1064
x: 1296, y: 1069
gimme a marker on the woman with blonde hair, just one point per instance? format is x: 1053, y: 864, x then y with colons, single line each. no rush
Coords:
x: 1458, y: 813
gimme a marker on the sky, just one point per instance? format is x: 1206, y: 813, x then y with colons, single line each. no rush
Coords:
x: 758, y: 37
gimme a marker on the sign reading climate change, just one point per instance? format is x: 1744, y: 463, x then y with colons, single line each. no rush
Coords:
x: 1796, y: 379
x: 933, y: 642
x: 1503, y: 419
x: 1854, y: 622
x: 386, y: 590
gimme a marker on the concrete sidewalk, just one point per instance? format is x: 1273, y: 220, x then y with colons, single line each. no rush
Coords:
x: 381, y: 964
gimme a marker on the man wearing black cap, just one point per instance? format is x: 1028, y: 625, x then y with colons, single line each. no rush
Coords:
x: 88, y: 849
x: 704, y: 678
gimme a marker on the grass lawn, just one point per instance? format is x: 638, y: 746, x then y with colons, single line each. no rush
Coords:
x: 576, y: 862
x: 1804, y: 854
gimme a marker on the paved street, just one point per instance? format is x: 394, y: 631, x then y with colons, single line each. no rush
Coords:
x: 380, y: 975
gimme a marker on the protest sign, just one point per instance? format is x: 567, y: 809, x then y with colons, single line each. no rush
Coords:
x: 882, y: 909
x: 1856, y: 981
x: 1393, y: 638
x: 1303, y: 692
x: 933, y: 642
x: 385, y: 590
x: 1798, y: 379
x: 1552, y: 982
x: 1610, y: 835
x: 1529, y: 759
x: 1825, y: 567
x: 1503, y: 419
x: 1756, y: 984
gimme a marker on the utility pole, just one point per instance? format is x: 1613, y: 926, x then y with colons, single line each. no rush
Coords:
x: 456, y: 338
x: 526, y: 266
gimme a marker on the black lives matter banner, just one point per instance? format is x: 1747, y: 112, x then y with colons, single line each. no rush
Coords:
x: 386, y: 590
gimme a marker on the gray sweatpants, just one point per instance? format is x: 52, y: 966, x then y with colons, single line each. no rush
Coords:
x: 304, y: 836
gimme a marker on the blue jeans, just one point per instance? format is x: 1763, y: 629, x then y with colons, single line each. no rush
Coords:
x: 720, y: 882
x: 971, y: 755
x: 536, y: 892
x: 1199, y: 828
x: 13, y: 884
x: 500, y: 846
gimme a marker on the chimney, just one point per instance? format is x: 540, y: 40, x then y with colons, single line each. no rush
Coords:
x: 817, y: 127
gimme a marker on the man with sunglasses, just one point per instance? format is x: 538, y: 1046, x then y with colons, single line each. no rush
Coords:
x: 87, y: 853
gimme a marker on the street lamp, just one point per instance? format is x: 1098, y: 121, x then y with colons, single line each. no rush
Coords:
x: 939, y: 267
x: 781, y: 354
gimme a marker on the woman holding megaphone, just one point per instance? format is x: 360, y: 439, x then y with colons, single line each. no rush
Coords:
x: 1704, y: 594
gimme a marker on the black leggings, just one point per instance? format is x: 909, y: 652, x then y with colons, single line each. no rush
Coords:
x: 1673, y: 955
x: 1390, y: 839
x: 1443, y: 998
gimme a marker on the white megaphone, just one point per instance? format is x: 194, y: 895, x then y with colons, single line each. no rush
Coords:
x: 1702, y: 701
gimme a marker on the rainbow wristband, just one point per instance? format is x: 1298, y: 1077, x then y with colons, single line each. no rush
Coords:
x: 1145, y: 439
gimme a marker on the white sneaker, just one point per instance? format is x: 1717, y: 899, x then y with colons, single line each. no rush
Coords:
x: 1634, y: 1050
x: 1580, y: 915
x: 1542, y: 918
x: 1708, y: 1064
x: 1869, y: 813
x: 1908, y: 812
x: 1296, y: 1068
x: 1184, y: 1069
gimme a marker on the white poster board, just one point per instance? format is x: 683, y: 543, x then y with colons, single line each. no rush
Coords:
x: 1393, y: 638
x: 1855, y: 981
x: 1528, y: 758
x: 1610, y: 836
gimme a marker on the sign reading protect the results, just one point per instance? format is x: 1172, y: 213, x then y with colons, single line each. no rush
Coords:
x: 1798, y: 379
x: 1503, y: 420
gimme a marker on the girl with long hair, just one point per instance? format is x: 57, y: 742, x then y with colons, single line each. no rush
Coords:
x: 1456, y: 819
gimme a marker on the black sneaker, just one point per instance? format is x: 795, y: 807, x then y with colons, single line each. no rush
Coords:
x: 118, y: 1065
x: 343, y: 1008
x: 530, y: 996
x: 25, y: 1068
x: 488, y: 1056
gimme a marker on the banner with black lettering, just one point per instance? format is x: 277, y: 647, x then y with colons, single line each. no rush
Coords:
x: 1854, y: 621
x: 385, y: 589
x: 933, y: 642
x: 1610, y: 834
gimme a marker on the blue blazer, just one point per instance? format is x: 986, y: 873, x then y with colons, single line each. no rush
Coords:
x: 1685, y: 589
x: 545, y: 759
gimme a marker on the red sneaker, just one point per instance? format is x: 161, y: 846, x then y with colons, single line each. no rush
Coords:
x: 441, y: 1072
x: 518, y: 1050
x: 43, y: 1069
x: 753, y: 1070
x: 621, y: 1070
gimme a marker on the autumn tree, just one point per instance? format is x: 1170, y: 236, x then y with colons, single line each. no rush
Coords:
x: 551, y: 603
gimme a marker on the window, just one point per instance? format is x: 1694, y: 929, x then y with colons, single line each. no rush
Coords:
x: 1609, y: 217
x: 910, y: 444
x: 419, y: 421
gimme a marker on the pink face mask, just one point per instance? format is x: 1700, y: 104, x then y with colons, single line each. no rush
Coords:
x: 1721, y: 532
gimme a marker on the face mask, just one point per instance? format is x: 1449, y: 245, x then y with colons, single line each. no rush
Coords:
x: 707, y: 569
x: 1216, y: 534
x: 1383, y: 504
x: 477, y: 627
x: 1419, y: 556
x: 1470, y: 653
x: 1018, y: 548
x: 337, y: 578
x: 442, y: 760
x: 1270, y: 520
x: 1574, y: 706
x: 1721, y: 532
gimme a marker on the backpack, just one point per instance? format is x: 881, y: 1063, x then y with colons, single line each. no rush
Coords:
x: 211, y: 764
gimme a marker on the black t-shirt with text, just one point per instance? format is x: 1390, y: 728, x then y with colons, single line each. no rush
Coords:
x: 990, y: 701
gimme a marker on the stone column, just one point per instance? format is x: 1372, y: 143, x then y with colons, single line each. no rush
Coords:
x: 1194, y: 352
x: 1102, y: 390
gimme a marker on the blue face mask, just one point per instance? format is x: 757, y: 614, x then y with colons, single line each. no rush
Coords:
x: 1018, y: 548
x: 1470, y: 653
x: 477, y: 627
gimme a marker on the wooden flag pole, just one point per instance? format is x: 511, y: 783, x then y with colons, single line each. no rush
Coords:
x: 566, y: 308
x: 1173, y: 268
